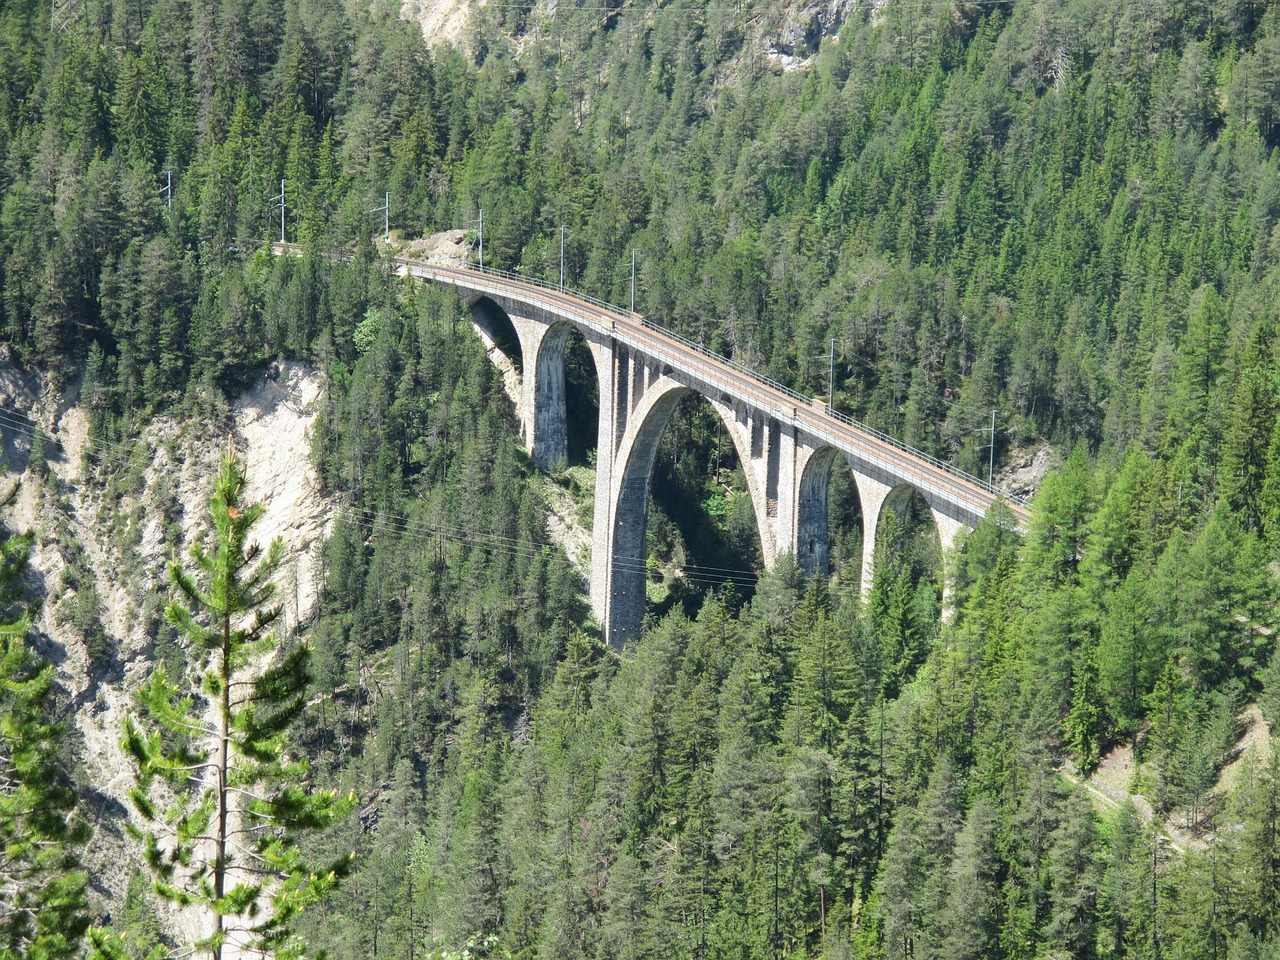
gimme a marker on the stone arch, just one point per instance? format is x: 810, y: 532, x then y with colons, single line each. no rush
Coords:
x: 497, y: 330
x: 913, y: 509
x: 552, y: 414
x: 629, y: 499
x: 813, y: 513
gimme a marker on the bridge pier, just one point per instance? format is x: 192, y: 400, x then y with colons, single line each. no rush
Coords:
x: 622, y: 597
x: 767, y: 458
x: 872, y: 493
x: 950, y: 529
x: 608, y: 360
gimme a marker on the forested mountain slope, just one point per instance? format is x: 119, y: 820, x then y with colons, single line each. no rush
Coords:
x: 1063, y: 211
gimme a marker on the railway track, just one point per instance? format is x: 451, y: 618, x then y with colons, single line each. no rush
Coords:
x: 808, y: 415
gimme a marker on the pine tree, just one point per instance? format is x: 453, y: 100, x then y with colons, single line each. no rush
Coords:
x: 1085, y: 724
x: 1258, y: 864
x: 43, y: 911
x: 1269, y: 496
x: 1226, y: 592
x: 139, y: 924
x: 228, y: 840
x: 971, y: 916
x: 1076, y: 876
x: 1128, y: 653
x: 1252, y: 420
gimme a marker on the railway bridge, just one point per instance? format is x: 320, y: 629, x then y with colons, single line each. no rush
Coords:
x: 787, y: 443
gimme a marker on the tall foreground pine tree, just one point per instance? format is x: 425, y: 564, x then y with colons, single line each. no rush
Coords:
x: 43, y: 912
x: 223, y: 801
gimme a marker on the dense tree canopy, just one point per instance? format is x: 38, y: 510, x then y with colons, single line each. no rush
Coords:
x: 1064, y: 212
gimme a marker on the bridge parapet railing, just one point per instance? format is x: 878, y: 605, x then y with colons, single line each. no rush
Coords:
x: 617, y: 313
x: 756, y: 375
x: 929, y: 475
x: 523, y: 280
x: 827, y: 411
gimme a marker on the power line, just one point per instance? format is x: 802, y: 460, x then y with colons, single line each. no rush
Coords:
x: 427, y: 534
x: 122, y: 455
x: 280, y: 197
x: 426, y: 531
x: 551, y: 11
x: 19, y: 423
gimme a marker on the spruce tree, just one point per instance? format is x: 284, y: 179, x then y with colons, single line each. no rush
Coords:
x: 43, y: 911
x: 1251, y: 422
x: 224, y: 802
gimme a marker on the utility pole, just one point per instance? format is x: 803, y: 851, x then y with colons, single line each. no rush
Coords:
x: 168, y: 189
x: 831, y: 380
x: 480, y: 223
x: 281, y: 199
x: 562, y: 256
x: 991, y: 456
x: 831, y: 376
x: 633, y: 279
x: 385, y: 210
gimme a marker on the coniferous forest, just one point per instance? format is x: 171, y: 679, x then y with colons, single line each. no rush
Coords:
x: 1066, y: 212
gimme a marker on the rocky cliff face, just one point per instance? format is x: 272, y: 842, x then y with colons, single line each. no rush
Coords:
x: 789, y: 34
x: 798, y: 30
x: 108, y: 518
x: 442, y: 21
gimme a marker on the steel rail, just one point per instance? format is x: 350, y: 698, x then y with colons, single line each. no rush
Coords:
x: 778, y: 400
x: 783, y: 403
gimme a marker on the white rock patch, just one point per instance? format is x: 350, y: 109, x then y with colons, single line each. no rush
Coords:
x: 274, y: 421
x: 271, y: 429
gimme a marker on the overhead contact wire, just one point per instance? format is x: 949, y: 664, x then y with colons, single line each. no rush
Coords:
x: 121, y: 455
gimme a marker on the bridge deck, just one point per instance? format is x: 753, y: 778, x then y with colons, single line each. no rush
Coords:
x: 807, y: 415
x: 787, y: 406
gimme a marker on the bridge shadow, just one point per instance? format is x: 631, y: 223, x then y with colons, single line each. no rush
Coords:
x: 498, y: 329
x: 830, y: 522
x: 582, y: 401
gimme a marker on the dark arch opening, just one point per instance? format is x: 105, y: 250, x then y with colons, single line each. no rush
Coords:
x: 903, y: 607
x: 907, y: 537
x: 703, y: 530
x: 567, y: 405
x: 845, y: 524
x: 497, y: 327
x: 829, y: 528
x: 582, y: 400
x: 685, y: 523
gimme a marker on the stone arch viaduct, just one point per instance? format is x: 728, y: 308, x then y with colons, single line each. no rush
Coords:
x: 787, y: 443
